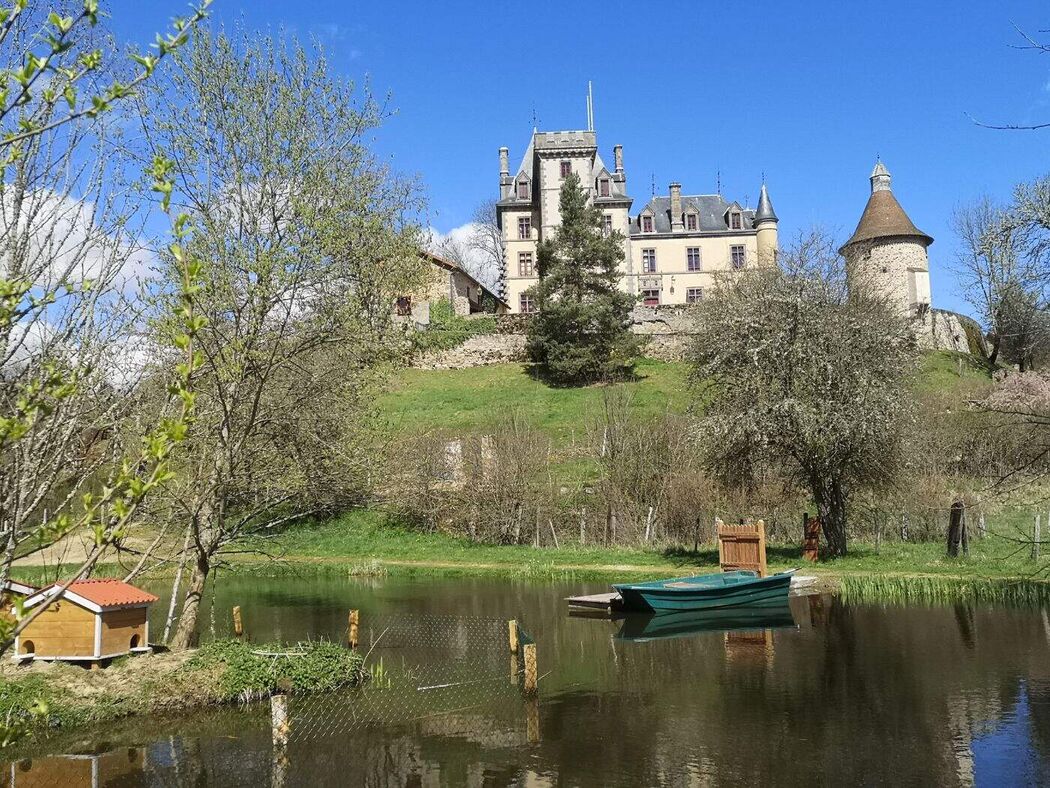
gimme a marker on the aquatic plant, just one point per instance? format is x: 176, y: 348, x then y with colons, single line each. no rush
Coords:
x: 944, y: 590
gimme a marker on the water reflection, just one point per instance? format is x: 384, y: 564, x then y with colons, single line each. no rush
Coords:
x: 820, y: 692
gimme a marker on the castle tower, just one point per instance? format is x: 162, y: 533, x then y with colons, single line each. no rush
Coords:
x: 766, y: 224
x: 887, y: 253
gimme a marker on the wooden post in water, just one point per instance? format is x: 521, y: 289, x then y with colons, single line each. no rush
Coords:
x: 531, y: 676
x: 532, y: 719
x: 512, y: 631
x: 351, y: 635
x: 1037, y: 535
x: 280, y: 727
x: 238, y: 627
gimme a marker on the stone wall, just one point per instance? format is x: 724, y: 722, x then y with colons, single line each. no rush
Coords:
x: 478, y: 351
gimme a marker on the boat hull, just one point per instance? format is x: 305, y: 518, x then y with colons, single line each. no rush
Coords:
x: 706, y: 592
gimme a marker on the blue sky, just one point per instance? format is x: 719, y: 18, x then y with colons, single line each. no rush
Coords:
x: 806, y: 96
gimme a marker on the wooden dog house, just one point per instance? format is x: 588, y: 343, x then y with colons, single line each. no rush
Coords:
x: 90, y: 621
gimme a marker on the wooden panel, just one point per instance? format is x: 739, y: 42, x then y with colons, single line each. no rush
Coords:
x: 63, y: 630
x: 742, y: 547
x: 120, y: 626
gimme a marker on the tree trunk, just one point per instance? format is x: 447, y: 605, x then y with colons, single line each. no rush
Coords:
x: 186, y: 632
x: 995, y: 350
x: 831, y: 508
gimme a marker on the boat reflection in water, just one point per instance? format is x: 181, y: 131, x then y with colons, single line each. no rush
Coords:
x: 643, y: 627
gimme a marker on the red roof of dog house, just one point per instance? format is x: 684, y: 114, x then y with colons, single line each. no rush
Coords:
x: 109, y: 593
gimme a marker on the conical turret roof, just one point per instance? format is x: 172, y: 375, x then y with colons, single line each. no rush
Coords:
x: 765, y: 212
x: 883, y: 216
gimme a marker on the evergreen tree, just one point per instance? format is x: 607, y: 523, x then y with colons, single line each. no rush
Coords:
x: 582, y: 331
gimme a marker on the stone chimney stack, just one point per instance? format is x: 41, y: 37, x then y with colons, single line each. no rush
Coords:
x: 677, y: 222
x: 618, y: 158
x: 504, y: 173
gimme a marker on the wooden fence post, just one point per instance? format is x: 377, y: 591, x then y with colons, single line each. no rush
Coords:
x: 955, y: 526
x: 1037, y: 536
x: 512, y: 631
x: 531, y: 677
x: 280, y: 726
x: 354, y: 620
x: 583, y: 526
x: 532, y: 720
x: 238, y: 627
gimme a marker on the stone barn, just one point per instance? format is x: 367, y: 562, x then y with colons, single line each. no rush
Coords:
x: 91, y: 621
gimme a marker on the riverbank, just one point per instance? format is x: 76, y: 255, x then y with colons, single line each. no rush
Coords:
x: 55, y: 696
x: 365, y: 542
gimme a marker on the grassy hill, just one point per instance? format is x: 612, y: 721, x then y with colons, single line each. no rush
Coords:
x: 471, y: 400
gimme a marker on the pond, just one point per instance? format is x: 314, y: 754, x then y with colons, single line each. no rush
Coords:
x: 833, y: 694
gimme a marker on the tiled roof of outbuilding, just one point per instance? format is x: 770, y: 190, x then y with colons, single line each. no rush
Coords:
x: 109, y: 593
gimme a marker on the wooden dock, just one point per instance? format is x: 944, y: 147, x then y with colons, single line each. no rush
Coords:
x: 801, y: 585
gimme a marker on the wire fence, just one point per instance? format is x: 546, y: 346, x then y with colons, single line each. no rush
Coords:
x: 431, y: 671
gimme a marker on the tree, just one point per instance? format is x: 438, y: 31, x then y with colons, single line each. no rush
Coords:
x: 794, y: 372
x: 486, y: 244
x: 66, y: 243
x: 582, y: 332
x: 307, y: 244
x: 1003, y: 271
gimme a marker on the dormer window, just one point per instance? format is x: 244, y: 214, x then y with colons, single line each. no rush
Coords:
x: 735, y: 221
x: 566, y: 169
x: 690, y: 221
x: 523, y: 190
x: 647, y: 224
x: 603, y: 187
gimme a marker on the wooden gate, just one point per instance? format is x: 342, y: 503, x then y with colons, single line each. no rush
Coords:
x: 742, y: 547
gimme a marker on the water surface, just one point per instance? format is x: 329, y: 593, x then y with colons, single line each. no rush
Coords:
x: 835, y: 694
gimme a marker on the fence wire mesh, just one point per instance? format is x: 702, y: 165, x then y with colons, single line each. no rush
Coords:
x: 422, y: 669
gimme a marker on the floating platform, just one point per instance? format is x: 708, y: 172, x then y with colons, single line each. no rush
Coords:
x: 611, y: 601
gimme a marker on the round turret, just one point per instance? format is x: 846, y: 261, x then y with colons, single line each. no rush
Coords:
x: 887, y: 252
x: 766, y: 224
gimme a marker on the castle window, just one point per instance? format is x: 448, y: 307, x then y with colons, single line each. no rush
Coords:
x: 734, y: 221
x: 647, y: 224
x: 690, y: 221
x: 648, y: 261
x: 607, y: 227
x: 694, y: 295
x: 524, y: 228
x: 736, y: 256
x: 692, y: 258
x: 525, y: 304
x: 566, y: 169
x: 651, y: 297
x: 523, y: 190
x: 603, y: 187
x: 525, y: 264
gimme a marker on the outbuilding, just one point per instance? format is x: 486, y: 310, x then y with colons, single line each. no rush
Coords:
x: 91, y: 621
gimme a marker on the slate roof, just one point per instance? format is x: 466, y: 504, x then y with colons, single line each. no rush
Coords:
x: 765, y: 211
x: 710, y: 208
x: 884, y: 217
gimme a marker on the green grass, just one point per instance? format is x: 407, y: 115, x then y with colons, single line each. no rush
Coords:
x: 943, y: 372
x: 365, y: 541
x: 64, y: 696
x: 472, y: 400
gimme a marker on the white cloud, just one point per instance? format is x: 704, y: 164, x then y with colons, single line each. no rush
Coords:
x: 58, y: 240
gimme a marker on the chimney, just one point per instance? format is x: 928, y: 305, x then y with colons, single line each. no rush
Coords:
x: 504, y: 174
x: 677, y: 222
x: 618, y: 158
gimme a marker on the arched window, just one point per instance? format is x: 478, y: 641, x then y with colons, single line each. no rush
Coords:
x: 28, y: 647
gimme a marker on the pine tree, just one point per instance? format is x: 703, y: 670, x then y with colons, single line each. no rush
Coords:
x: 582, y: 331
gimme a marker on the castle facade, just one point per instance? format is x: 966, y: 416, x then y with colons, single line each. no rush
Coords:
x: 673, y: 247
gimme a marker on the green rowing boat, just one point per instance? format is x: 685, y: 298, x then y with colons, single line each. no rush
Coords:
x: 706, y: 592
